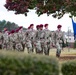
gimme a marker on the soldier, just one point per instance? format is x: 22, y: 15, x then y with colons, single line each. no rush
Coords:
x: 20, y: 36
x: 36, y: 41
x: 30, y: 38
x: 39, y: 37
x: 48, y: 39
x: 12, y: 40
x: 58, y: 38
x: 23, y: 37
x: 5, y: 36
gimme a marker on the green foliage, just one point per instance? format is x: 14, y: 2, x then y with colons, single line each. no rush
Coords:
x: 69, y: 68
x: 13, y: 64
x: 56, y: 7
x: 9, y: 25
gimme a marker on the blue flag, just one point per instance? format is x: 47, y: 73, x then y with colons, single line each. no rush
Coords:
x: 74, y: 28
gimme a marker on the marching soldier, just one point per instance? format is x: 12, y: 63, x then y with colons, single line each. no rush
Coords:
x: 36, y: 41
x: 21, y: 36
x: 48, y: 40
x: 39, y: 37
x: 5, y: 36
x: 12, y: 40
x: 30, y: 38
x: 58, y: 38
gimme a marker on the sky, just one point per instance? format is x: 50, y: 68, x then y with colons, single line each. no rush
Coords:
x: 32, y: 17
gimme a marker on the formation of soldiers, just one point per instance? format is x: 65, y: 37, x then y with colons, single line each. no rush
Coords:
x: 41, y: 40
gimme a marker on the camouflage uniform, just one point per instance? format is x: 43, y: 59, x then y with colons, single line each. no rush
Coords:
x: 30, y: 40
x: 20, y: 45
x: 58, y: 39
x: 39, y: 37
x: 6, y: 40
x: 37, y: 41
x: 12, y: 40
x: 21, y: 35
x: 47, y: 41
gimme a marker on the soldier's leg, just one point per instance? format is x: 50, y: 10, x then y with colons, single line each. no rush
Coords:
x: 23, y: 46
x: 14, y: 45
x: 38, y: 47
x: 17, y: 46
x: 32, y: 47
x: 42, y: 47
x: 58, y: 52
x: 20, y: 46
x: 46, y: 47
x: 29, y: 46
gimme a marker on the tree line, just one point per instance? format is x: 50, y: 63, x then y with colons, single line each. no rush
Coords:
x: 9, y: 25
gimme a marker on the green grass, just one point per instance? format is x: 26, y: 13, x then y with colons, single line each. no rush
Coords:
x: 64, y: 52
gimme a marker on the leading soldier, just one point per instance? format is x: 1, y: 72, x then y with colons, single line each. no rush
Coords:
x: 58, y: 39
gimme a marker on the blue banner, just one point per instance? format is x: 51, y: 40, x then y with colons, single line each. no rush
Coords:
x: 74, y: 28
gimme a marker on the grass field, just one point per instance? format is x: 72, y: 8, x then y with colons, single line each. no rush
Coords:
x: 64, y: 53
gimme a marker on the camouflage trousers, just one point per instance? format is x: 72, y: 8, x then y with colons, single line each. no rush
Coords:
x: 39, y: 46
x: 47, y: 46
x: 18, y: 46
x: 59, y: 48
x: 29, y: 46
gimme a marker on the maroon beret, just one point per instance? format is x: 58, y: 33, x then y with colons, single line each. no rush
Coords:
x: 37, y: 26
x: 13, y: 31
x: 9, y: 33
x: 45, y: 25
x: 20, y: 27
x: 16, y: 30
x: 31, y: 25
x: 59, y: 26
x: 41, y: 25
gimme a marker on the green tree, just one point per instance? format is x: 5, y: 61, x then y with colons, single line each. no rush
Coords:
x: 2, y: 24
x: 56, y: 7
x: 9, y: 25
